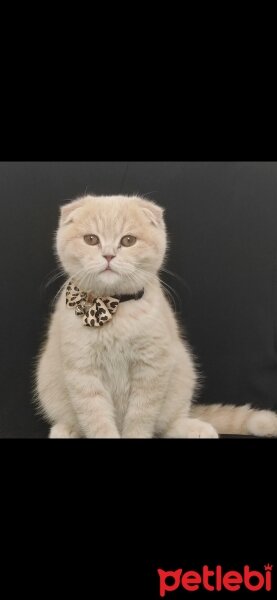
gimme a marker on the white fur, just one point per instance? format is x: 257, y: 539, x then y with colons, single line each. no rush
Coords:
x: 242, y: 420
x: 135, y: 376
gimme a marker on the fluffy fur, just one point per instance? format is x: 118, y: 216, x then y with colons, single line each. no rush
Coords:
x: 242, y: 420
x: 134, y: 377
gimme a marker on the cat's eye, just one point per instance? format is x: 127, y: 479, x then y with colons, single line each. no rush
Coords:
x: 91, y: 239
x: 128, y: 240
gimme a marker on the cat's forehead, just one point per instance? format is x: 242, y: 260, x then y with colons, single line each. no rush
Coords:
x: 109, y: 215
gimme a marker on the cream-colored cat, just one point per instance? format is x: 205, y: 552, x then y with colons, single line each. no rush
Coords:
x: 114, y: 363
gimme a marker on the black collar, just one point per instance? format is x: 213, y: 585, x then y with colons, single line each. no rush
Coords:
x: 125, y: 297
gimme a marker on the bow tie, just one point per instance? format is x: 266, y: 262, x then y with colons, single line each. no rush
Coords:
x: 96, y: 311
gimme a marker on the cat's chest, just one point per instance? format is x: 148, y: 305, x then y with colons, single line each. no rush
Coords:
x: 107, y: 352
x: 111, y: 356
x: 111, y: 360
x: 107, y: 347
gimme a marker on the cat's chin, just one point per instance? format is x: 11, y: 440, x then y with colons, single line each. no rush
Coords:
x: 108, y: 278
x: 109, y: 283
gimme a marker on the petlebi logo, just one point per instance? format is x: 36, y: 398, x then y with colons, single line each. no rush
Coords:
x: 216, y: 579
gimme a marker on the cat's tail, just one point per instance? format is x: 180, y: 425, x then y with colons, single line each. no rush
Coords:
x: 242, y: 420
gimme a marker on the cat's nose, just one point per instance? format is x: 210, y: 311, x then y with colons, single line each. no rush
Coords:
x: 109, y: 257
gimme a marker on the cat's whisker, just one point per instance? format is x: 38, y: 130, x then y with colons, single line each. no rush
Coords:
x: 54, y: 278
x: 178, y: 277
x: 58, y: 293
x: 169, y: 291
x: 51, y: 277
x: 63, y: 286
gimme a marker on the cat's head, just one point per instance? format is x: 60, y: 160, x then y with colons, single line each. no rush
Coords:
x: 126, y: 234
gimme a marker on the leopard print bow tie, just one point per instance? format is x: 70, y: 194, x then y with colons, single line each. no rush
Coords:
x: 96, y: 311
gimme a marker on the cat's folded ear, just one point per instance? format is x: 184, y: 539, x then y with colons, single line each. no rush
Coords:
x: 153, y: 212
x: 67, y: 209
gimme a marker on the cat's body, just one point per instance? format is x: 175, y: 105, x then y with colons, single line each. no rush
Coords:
x: 141, y: 371
x: 134, y: 376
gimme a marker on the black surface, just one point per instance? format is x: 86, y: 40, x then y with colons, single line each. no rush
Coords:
x: 222, y: 224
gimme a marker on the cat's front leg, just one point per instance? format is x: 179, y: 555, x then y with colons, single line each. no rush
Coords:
x: 147, y: 393
x: 93, y: 406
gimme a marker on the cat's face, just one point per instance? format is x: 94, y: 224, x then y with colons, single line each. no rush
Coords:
x: 131, y: 230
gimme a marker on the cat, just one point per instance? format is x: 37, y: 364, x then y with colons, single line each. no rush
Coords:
x: 115, y: 363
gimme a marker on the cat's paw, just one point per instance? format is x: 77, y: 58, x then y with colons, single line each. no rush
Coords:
x: 200, y: 429
x: 61, y: 431
x: 103, y: 433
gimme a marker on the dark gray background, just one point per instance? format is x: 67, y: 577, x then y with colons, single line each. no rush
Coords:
x: 222, y: 223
